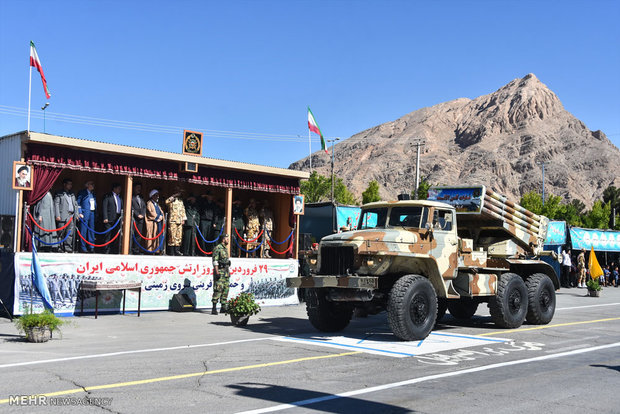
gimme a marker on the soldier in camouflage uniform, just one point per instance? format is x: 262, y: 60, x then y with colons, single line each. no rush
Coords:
x: 221, y: 276
x: 253, y: 226
x: 176, y: 218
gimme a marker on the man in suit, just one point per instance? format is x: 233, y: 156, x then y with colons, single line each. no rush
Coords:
x: 87, y: 205
x: 138, y: 210
x: 65, y: 206
x: 112, y: 208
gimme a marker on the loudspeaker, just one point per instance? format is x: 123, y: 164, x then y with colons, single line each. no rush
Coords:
x: 181, y: 303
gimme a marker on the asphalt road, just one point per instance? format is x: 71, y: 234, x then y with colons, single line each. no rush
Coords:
x: 199, y: 363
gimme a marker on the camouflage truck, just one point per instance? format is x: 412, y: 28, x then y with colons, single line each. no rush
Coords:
x: 418, y: 258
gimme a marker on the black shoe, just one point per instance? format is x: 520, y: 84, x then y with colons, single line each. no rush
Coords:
x: 214, y: 310
x: 223, y: 308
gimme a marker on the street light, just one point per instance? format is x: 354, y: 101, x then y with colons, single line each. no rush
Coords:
x: 43, y: 108
x: 333, y: 205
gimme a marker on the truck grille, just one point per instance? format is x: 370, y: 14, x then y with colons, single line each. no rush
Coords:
x: 336, y: 260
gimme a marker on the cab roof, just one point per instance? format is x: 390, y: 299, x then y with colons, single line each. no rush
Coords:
x: 407, y: 203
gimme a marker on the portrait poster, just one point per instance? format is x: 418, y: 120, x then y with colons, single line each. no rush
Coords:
x: 22, y: 176
x: 298, y: 204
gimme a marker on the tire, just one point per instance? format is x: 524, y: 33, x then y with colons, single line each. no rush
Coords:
x: 324, y: 315
x: 442, y: 307
x: 541, y: 299
x: 509, y: 307
x: 412, y: 308
x: 463, y: 308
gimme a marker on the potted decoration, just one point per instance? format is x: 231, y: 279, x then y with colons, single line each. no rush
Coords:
x: 241, y: 308
x: 594, y: 288
x: 38, y: 327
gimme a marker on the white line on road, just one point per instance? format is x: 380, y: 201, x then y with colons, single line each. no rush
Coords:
x: 590, y: 306
x: 424, y: 379
x: 136, y: 351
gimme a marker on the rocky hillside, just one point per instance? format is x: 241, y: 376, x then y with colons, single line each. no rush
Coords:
x: 500, y: 140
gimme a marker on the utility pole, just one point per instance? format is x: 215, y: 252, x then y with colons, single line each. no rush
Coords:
x: 543, y: 183
x: 418, y: 142
x: 334, y: 229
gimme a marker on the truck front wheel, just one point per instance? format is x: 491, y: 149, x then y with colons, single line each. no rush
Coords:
x: 509, y: 307
x: 412, y: 308
x: 324, y: 315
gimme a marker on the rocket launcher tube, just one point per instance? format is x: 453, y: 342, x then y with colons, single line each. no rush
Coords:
x: 512, y: 211
x: 511, y: 216
x: 509, y: 203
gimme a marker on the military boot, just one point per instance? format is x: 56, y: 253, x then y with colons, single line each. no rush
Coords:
x: 223, y: 308
x: 214, y: 310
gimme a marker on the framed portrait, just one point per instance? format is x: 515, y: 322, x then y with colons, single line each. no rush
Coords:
x: 298, y: 204
x: 22, y: 176
x: 192, y: 142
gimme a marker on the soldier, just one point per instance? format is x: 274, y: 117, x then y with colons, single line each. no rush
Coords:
x: 253, y: 222
x: 65, y: 288
x: 154, y: 221
x: 207, y: 219
x: 238, y: 225
x: 189, y: 228
x: 221, y: 276
x: 138, y: 209
x: 581, y: 268
x: 65, y: 207
x: 176, y: 219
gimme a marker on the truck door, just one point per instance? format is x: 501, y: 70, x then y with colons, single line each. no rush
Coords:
x: 445, y: 242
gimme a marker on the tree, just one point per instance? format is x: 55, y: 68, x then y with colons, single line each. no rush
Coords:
x: 422, y: 189
x: 371, y: 193
x: 598, y: 217
x: 612, y: 195
x: 532, y: 201
x: 316, y: 188
x: 319, y: 188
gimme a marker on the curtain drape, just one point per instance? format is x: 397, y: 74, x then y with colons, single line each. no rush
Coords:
x: 44, y: 179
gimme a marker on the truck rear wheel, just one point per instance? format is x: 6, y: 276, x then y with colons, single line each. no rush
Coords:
x: 509, y: 307
x: 412, y: 308
x: 541, y: 299
x: 463, y: 308
x: 324, y: 315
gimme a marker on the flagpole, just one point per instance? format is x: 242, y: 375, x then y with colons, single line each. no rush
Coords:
x: 29, y: 97
x: 310, y: 149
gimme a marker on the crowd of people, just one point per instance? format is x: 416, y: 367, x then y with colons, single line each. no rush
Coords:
x: 575, y: 272
x: 182, y: 218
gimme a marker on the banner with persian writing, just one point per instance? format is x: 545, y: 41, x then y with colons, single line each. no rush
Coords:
x: 161, y: 277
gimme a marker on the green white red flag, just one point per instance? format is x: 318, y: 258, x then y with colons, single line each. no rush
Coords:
x: 314, y: 127
x: 36, y: 62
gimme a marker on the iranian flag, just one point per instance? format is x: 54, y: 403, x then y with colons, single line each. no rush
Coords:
x: 36, y: 62
x: 314, y: 127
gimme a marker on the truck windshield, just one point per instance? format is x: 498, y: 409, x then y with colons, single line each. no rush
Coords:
x: 373, y: 218
x: 411, y: 216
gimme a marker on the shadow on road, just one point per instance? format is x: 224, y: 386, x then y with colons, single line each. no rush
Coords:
x: 616, y: 368
x: 320, y: 401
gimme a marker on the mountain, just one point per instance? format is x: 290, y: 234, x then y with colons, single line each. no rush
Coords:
x: 499, y: 140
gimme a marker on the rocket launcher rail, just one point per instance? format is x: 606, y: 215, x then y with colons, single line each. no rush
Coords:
x: 480, y: 208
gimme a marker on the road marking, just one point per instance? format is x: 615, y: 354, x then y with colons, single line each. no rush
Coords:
x: 589, y: 306
x: 183, y: 376
x: 548, y: 326
x: 136, y: 351
x: 424, y: 379
x: 375, y: 344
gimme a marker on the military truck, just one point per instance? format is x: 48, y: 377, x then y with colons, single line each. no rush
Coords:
x: 418, y: 258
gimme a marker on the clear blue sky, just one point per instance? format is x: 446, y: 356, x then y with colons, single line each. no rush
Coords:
x: 252, y: 67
